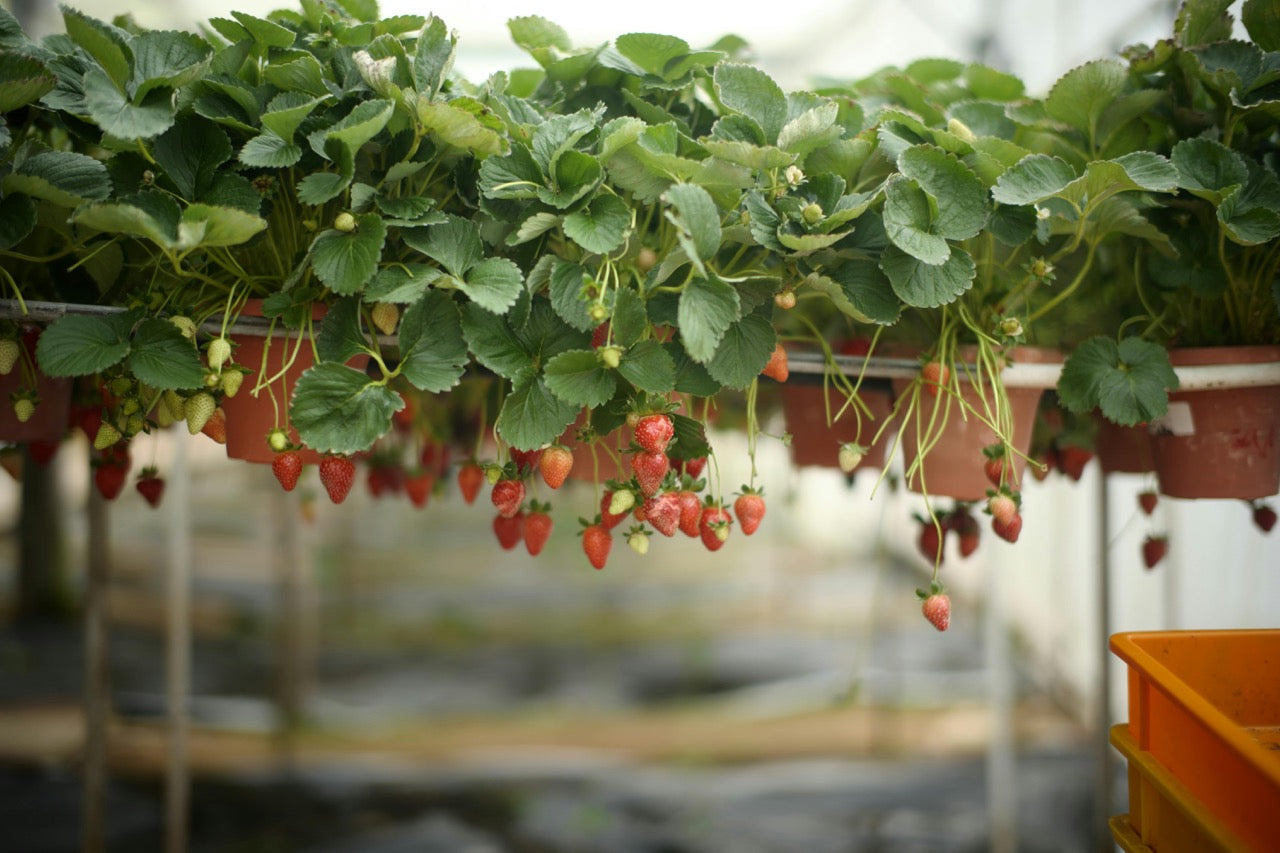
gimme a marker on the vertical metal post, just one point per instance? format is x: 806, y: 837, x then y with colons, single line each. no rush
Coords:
x: 97, y: 697
x: 1102, y: 708
x: 297, y: 609
x: 178, y: 645
x: 1001, y: 770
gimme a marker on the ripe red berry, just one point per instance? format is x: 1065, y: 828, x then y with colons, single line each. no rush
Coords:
x: 714, y: 526
x: 650, y: 468
x: 536, y: 529
x: 1071, y: 461
x: 931, y: 541
x: 150, y: 486
x: 470, y: 478
x: 418, y: 487
x: 1002, y: 507
x: 777, y: 367
x: 508, y: 529
x: 692, y: 468
x: 654, y: 432
x: 287, y: 467
x: 526, y: 460
x: 1154, y: 549
x: 555, y: 465
x: 596, y: 543
x: 936, y: 376
x: 109, y: 475
x: 968, y: 531
x: 1264, y: 517
x: 937, y: 609
x: 690, y: 512
x: 995, y: 468
x: 1147, y: 501
x: 337, y: 474
x: 42, y: 452
x: 749, y: 508
x: 663, y: 512
x: 507, y: 496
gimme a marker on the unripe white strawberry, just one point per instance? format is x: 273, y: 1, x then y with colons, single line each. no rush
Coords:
x: 23, y: 409
x: 850, y: 456
x: 230, y: 382
x: 386, y: 316
x: 621, y: 502
x: 638, y: 539
x: 344, y: 222
x: 199, y: 409
x: 218, y: 352
x: 107, y: 436
x: 10, y: 352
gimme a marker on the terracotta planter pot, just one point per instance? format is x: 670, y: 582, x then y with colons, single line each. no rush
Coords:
x: 1220, y: 442
x: 815, y: 443
x: 953, y: 466
x: 50, y: 420
x: 250, y: 418
x: 1123, y: 450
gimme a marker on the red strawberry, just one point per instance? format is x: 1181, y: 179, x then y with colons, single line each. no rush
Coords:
x: 937, y: 609
x: 1147, y: 501
x: 608, y: 519
x: 555, y: 465
x: 1153, y: 550
x: 650, y: 468
x: 537, y: 527
x: 932, y: 542
x: 216, y: 426
x: 692, y: 468
x: 663, y: 512
x: 110, y: 473
x: 995, y: 467
x: 507, y: 496
x: 1008, y: 530
x: 936, y: 376
x: 654, y: 432
x: 470, y: 478
x: 403, y: 419
x: 1071, y: 461
x: 376, y: 480
x: 1042, y: 464
x: 714, y: 526
x: 690, y: 512
x: 596, y: 543
x: 526, y: 460
x: 150, y: 486
x: 749, y: 508
x: 777, y: 367
x: 968, y: 531
x: 1265, y: 517
x: 418, y: 487
x: 508, y: 529
x: 287, y: 467
x: 337, y: 474
x: 599, y: 335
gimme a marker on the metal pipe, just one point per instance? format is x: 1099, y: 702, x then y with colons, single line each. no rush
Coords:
x: 178, y: 646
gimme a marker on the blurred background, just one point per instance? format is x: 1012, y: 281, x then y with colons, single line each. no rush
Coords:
x: 376, y: 677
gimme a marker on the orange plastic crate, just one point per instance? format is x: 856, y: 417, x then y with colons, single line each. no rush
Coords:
x: 1205, y: 705
x: 1163, y: 816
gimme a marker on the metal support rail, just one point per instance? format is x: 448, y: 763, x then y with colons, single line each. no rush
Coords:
x: 1016, y: 375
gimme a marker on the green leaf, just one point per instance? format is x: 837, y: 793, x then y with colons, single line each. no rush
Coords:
x: 269, y: 151
x: 541, y: 38
x: 577, y: 376
x: 651, y: 52
x: 1247, y: 222
x: 63, y: 177
x: 648, y: 366
x: 708, y: 306
x: 629, y: 318
x: 532, y: 416
x: 566, y: 291
x: 696, y: 218
x: 907, y: 213
x: 117, y: 116
x: 433, y: 354
x: 265, y: 33
x: 459, y: 124
x: 354, y: 130
x: 864, y: 292
x: 515, y: 175
x: 81, y: 345
x: 206, y: 225
x: 533, y: 227
x: 691, y: 377
x: 1202, y: 22
x: 346, y: 261
x: 1207, y: 168
x: 559, y: 134
x: 106, y: 44
x: 493, y: 343
x: 958, y: 194
x: 493, y: 283
x: 601, y: 226
x: 23, y: 80
x: 1032, y: 179
x: 575, y: 175
x: 748, y: 90
x: 433, y: 57
x: 811, y: 129
x: 1130, y: 381
x: 403, y: 284
x: 455, y: 244
x: 17, y: 219
x: 320, y: 187
x: 1082, y: 95
x: 148, y: 215
x: 286, y: 111
x: 1262, y: 21
x: 164, y: 61
x: 163, y: 358
x: 341, y: 337
x: 301, y: 73
x: 190, y: 154
x: 743, y: 352
x: 924, y: 285
x: 338, y: 409
x: 689, y: 441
